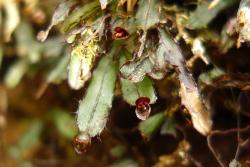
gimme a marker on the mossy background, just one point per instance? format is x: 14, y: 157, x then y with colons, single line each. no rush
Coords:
x: 38, y: 108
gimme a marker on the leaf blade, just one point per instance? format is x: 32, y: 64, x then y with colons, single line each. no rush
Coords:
x: 132, y: 91
x: 189, y: 92
x: 148, y: 14
x: 58, y: 73
x: 61, y: 12
x: 74, y: 18
x: 153, y: 123
x: 93, y: 109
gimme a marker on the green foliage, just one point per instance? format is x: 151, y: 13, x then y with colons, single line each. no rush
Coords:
x: 148, y: 14
x: 59, y: 72
x: 64, y: 122
x: 29, y: 139
x: 127, y: 49
x: 132, y: 91
x: 93, y: 110
x: 151, y: 125
x: 168, y: 127
x: 59, y: 16
x: 82, y: 13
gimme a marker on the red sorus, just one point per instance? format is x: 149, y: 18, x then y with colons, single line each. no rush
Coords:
x: 120, y: 33
x: 81, y: 143
x: 143, y: 108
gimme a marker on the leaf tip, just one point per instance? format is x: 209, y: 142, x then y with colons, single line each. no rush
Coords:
x: 42, y: 35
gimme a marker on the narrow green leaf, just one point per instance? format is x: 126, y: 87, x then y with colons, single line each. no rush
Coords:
x: 24, y: 38
x: 28, y: 140
x: 59, y: 72
x: 15, y: 73
x: 93, y: 110
x: 132, y: 91
x: 202, y: 16
x: 64, y: 122
x: 80, y: 14
x: 168, y: 50
x: 189, y: 92
x: 151, y: 125
x: 168, y: 127
x: 62, y: 11
x: 53, y: 47
x: 148, y: 14
x: 27, y: 46
x: 59, y: 15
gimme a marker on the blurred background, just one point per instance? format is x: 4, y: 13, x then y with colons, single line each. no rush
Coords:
x: 37, y: 107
